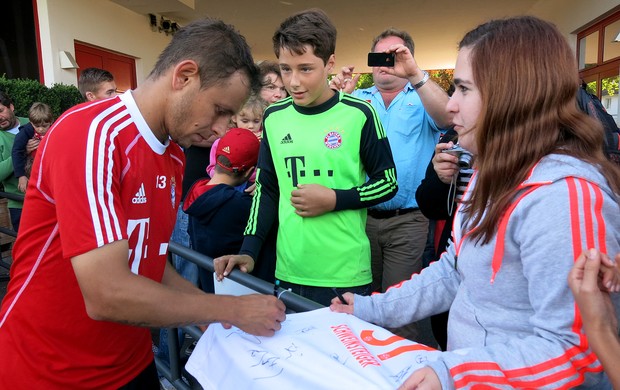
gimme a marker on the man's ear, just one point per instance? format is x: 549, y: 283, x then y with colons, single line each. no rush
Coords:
x: 184, y: 73
x: 90, y: 96
x: 247, y: 174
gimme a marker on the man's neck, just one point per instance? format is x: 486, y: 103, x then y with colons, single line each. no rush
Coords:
x: 221, y: 178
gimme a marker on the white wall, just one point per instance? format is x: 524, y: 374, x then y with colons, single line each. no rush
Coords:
x: 97, y: 22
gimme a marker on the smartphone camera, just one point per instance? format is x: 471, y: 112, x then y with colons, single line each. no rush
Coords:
x: 465, y: 158
x: 381, y: 59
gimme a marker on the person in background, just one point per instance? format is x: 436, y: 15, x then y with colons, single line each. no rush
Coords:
x: 250, y: 117
x: 272, y: 87
x: 41, y: 118
x: 9, y: 128
x: 324, y: 158
x: 90, y: 274
x: 542, y: 192
x: 96, y: 84
x: 412, y: 109
x: 600, y: 320
x: 217, y: 211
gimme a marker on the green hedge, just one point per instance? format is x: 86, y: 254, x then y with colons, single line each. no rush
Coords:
x: 24, y: 92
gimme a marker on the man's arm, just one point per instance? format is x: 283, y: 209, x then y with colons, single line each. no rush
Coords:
x: 113, y: 293
x: 433, y: 97
x: 264, y: 210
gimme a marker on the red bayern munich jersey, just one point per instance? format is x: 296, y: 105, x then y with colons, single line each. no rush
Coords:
x: 100, y: 176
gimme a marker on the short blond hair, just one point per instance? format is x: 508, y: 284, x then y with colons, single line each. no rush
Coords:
x: 40, y: 114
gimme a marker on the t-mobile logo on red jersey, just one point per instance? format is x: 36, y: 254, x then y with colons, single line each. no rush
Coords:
x: 140, y: 196
x: 138, y: 233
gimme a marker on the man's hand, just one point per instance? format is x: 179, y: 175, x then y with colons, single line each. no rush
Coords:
x: 446, y: 165
x: 405, y: 65
x: 423, y: 379
x: 260, y: 315
x: 345, y: 80
x: 224, y: 265
x: 312, y: 200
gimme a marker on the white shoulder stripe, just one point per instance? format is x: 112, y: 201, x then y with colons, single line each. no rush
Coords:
x: 95, y: 187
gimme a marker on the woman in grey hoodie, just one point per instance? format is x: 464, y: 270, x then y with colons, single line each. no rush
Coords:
x: 542, y: 192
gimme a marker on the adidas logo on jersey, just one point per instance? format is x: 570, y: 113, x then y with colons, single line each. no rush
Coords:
x: 287, y: 139
x: 140, y: 196
x: 226, y: 149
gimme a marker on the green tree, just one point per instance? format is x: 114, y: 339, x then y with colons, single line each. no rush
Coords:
x: 443, y: 77
x: 610, y: 85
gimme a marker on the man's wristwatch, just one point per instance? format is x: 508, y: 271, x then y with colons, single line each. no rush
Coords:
x: 420, y: 83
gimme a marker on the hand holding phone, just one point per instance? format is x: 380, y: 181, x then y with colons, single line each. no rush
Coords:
x: 381, y: 59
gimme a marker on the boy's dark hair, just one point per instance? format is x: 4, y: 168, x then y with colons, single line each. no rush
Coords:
x: 5, y: 99
x: 40, y: 114
x: 394, y: 32
x: 310, y: 27
x: 91, y: 78
x: 218, y: 49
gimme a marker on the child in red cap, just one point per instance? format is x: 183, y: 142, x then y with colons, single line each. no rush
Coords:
x: 217, y: 211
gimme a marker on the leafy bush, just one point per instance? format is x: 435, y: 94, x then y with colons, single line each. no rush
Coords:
x: 24, y: 92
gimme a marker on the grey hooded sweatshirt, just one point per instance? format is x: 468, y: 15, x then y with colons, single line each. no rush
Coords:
x: 513, y: 320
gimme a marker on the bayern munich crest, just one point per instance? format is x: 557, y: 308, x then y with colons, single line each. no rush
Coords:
x: 333, y: 140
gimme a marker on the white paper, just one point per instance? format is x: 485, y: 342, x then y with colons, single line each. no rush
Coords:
x: 319, y: 349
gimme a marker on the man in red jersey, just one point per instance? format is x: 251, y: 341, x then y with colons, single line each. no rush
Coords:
x: 90, y: 271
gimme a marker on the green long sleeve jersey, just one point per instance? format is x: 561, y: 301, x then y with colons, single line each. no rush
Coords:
x: 341, y: 145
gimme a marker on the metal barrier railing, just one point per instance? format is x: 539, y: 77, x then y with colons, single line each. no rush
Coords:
x: 172, y: 370
x: 8, y: 232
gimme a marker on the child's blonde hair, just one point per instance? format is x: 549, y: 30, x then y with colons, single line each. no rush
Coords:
x: 40, y: 114
x: 255, y: 104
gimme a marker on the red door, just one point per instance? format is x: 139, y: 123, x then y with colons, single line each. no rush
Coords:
x: 121, y: 66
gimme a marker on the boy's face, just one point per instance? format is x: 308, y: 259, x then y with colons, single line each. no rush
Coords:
x: 305, y: 76
x: 41, y: 128
x: 107, y: 89
x: 247, y: 119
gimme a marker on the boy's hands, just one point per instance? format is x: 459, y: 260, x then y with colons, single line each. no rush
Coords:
x: 22, y: 183
x: 223, y: 265
x: 32, y: 145
x: 312, y: 200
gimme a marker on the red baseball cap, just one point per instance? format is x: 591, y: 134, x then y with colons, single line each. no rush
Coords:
x: 240, y: 147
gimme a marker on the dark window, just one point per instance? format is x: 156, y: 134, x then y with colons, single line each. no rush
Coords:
x: 18, y: 46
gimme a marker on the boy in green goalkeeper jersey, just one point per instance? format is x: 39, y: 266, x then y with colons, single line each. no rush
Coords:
x: 324, y: 159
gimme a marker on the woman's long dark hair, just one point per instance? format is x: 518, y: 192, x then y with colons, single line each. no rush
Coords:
x: 527, y: 77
